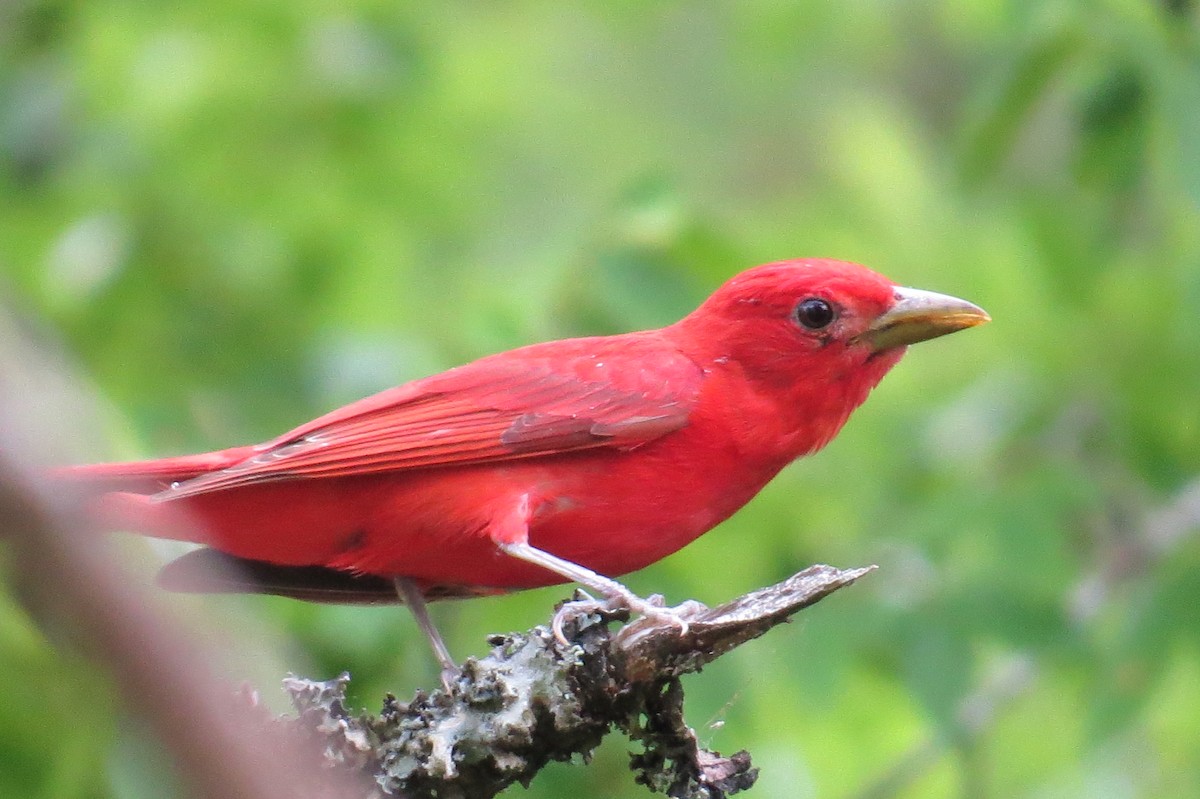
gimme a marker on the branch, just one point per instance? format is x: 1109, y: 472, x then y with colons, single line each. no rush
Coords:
x: 67, y: 578
x: 533, y: 700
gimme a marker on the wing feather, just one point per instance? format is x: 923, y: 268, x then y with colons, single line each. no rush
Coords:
x: 542, y: 400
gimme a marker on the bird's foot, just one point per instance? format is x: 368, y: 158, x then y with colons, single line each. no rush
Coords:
x: 449, y: 677
x: 653, y: 609
x: 582, y: 604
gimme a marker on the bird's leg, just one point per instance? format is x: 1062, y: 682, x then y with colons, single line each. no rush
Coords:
x: 510, y: 532
x: 412, y: 596
x: 522, y: 550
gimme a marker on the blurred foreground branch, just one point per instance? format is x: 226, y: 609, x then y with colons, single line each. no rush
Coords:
x: 221, y: 747
x: 533, y: 700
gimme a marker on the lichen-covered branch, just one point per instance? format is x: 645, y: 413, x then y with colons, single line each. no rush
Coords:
x: 533, y: 700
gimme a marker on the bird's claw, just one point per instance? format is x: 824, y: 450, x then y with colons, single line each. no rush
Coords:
x: 652, y: 608
x: 449, y: 678
x: 582, y: 605
x: 656, y: 612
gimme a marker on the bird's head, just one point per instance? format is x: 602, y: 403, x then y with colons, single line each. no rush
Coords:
x: 819, y: 333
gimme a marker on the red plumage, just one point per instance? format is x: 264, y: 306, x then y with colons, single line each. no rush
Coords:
x: 610, y: 453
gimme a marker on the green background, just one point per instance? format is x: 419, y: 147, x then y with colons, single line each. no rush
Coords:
x: 227, y: 217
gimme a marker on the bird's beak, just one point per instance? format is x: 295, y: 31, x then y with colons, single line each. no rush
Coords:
x: 919, y: 316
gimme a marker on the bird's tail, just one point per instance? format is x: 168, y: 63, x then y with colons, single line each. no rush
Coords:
x: 120, y: 496
x: 148, y: 476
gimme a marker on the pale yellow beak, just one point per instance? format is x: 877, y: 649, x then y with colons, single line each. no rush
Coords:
x: 919, y: 316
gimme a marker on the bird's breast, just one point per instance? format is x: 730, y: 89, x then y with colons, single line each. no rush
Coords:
x: 618, y: 512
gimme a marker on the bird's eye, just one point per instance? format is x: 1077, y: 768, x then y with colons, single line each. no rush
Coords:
x: 815, y: 313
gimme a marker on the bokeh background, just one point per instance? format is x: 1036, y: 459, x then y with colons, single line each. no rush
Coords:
x: 220, y: 219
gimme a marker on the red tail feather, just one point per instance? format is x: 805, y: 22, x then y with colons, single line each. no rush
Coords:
x: 151, y: 475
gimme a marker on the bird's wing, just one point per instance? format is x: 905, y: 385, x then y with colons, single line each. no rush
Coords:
x: 542, y: 400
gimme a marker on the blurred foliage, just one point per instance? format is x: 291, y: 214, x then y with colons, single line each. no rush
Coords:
x: 235, y: 216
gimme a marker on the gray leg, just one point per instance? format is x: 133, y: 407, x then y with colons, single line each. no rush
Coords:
x: 412, y: 596
x: 597, y: 582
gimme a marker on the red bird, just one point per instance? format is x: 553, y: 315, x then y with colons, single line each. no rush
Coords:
x: 560, y: 461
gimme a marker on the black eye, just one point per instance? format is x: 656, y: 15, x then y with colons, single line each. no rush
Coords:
x: 815, y: 313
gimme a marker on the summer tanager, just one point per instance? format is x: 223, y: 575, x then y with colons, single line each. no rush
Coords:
x: 560, y: 461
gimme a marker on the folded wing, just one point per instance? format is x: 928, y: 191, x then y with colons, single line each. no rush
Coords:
x: 543, y: 400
